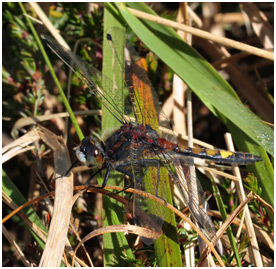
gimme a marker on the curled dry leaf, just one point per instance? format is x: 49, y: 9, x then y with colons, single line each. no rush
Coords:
x: 126, y: 228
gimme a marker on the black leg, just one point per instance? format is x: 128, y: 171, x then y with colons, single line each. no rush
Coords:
x: 86, y: 183
x: 158, y: 179
x: 74, y: 163
x: 124, y: 189
x: 106, y: 177
x: 156, y: 163
x: 146, y: 163
x: 68, y: 171
x: 126, y: 172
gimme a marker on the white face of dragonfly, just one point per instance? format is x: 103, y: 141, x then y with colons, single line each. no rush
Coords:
x: 88, y: 153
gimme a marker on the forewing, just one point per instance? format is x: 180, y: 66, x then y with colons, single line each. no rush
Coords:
x: 90, y: 76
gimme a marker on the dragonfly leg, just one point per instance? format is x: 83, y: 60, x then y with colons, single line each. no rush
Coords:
x: 126, y: 173
x: 106, y: 176
x: 124, y: 189
x: 146, y: 163
x: 68, y: 171
x: 105, y: 180
x: 153, y: 162
x: 74, y: 163
x: 157, y: 163
x: 120, y: 170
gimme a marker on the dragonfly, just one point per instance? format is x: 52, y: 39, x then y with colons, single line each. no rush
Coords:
x: 138, y: 147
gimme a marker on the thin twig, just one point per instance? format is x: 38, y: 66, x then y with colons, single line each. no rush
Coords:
x: 256, y: 256
x: 203, y: 34
x: 48, y: 24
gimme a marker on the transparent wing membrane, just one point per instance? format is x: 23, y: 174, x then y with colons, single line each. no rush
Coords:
x: 90, y: 76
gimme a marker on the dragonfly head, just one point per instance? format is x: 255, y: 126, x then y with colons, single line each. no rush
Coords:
x: 88, y: 153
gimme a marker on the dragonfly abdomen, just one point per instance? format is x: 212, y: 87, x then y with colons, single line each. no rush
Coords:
x: 219, y: 156
x: 216, y: 155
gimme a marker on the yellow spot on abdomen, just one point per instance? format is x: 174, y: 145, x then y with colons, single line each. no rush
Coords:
x: 225, y: 154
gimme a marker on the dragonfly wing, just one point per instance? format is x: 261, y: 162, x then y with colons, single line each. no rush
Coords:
x: 89, y: 75
x: 191, y: 190
x: 149, y: 213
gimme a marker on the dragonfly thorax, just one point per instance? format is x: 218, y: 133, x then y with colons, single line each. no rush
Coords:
x: 89, y: 153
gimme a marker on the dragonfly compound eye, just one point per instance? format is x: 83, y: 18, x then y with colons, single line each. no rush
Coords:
x: 88, y: 153
x: 93, y: 155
